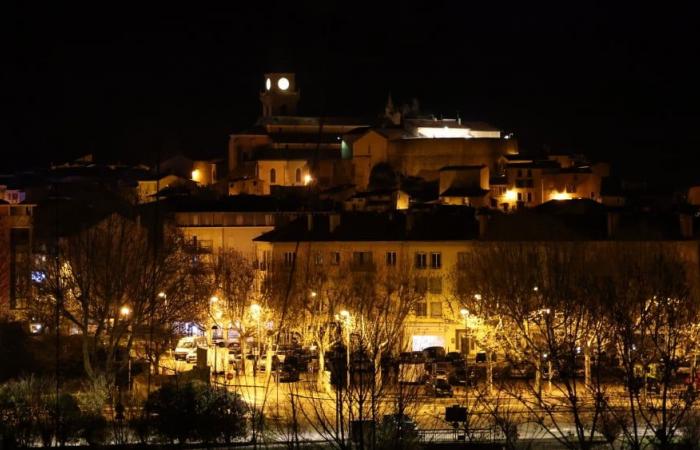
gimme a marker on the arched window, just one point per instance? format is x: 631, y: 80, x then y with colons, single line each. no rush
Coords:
x: 297, y: 176
x: 273, y: 176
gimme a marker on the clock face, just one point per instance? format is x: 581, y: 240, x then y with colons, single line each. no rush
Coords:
x: 268, y: 84
x: 283, y: 84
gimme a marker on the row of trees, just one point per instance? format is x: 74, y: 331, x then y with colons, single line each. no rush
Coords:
x: 625, y: 313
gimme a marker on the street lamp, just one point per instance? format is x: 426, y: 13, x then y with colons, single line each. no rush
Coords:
x: 125, y: 311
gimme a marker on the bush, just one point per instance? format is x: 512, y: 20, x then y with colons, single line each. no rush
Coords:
x: 196, y: 411
x: 28, y: 415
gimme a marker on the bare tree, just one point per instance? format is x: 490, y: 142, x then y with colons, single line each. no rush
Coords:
x: 106, y: 279
x: 650, y: 293
x: 537, y: 291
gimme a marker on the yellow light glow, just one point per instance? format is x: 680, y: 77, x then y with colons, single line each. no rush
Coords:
x: 255, y: 311
x: 477, y: 296
x: 268, y: 84
x: 445, y: 132
x: 560, y: 196
x: 196, y: 175
x: 464, y: 312
x: 307, y: 179
x: 344, y: 314
x: 510, y: 195
x: 162, y: 295
x: 125, y: 311
x: 313, y: 294
x: 283, y: 84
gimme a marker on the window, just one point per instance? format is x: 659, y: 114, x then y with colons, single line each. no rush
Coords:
x: 435, y: 285
x: 435, y: 309
x: 273, y: 176
x: 529, y: 197
x: 435, y: 260
x: 520, y: 196
x: 335, y: 258
x: 462, y: 260
x: 421, y: 285
x: 390, y: 258
x: 361, y: 260
x: 289, y: 258
x: 421, y: 309
x: 297, y: 176
x: 421, y: 260
x: 318, y: 258
x: 570, y: 189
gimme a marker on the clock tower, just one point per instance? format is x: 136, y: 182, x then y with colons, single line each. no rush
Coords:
x: 280, y: 95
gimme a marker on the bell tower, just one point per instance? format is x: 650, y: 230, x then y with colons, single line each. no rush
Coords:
x: 280, y: 96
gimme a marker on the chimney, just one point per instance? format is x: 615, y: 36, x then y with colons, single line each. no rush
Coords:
x: 686, y: 222
x: 309, y: 222
x: 333, y: 222
x: 613, y: 222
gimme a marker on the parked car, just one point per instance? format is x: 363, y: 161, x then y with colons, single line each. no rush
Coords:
x: 521, y: 370
x: 187, y: 344
x: 288, y: 374
x: 439, y: 387
x: 434, y: 353
x: 462, y: 376
x: 480, y: 358
x: 455, y: 358
x: 400, y: 422
x: 191, y: 357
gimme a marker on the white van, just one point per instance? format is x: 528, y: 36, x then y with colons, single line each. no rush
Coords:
x: 189, y: 344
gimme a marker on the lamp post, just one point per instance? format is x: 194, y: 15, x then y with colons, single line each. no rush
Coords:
x: 124, y: 313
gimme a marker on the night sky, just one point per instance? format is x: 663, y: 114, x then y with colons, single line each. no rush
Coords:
x: 132, y: 80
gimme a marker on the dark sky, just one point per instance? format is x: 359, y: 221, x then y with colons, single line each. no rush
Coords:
x: 129, y: 80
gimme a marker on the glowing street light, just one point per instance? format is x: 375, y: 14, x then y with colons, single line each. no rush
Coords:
x: 255, y: 311
x: 313, y: 294
x: 308, y: 179
x: 214, y: 299
x: 125, y: 311
x: 162, y: 294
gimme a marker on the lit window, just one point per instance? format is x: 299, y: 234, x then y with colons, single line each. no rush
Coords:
x: 390, y: 258
x: 421, y: 309
x: 421, y: 261
x: 273, y: 176
x: 435, y: 309
x: 318, y: 258
x: 297, y: 176
x: 435, y: 260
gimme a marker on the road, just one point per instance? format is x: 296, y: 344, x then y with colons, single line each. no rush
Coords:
x: 316, y: 410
